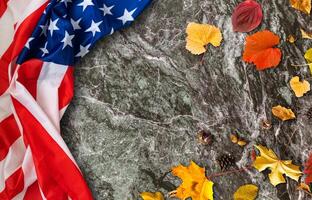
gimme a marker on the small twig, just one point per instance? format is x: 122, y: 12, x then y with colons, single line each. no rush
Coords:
x: 229, y: 172
x: 301, y: 65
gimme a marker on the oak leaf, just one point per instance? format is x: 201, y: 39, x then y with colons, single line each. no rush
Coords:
x: 299, y: 87
x: 308, y: 170
x: 246, y: 192
x: 268, y: 159
x: 259, y: 50
x: 194, y: 185
x: 247, y: 16
x: 200, y: 35
x: 152, y: 196
x: 302, y: 5
x: 305, y: 35
x: 283, y: 113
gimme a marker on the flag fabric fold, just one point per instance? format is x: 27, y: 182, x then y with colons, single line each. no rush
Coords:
x: 40, y: 41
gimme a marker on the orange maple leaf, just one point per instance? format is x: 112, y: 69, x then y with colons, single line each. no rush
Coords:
x: 259, y: 50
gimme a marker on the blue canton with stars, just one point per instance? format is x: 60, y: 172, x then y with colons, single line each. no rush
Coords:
x: 69, y: 28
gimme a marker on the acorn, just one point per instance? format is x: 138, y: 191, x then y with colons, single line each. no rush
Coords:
x: 226, y: 161
x: 205, y: 137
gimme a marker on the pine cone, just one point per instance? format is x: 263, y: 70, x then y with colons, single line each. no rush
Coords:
x: 226, y: 161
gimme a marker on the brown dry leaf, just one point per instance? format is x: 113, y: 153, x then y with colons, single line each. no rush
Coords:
x: 299, y: 87
x: 283, y: 113
x: 194, y: 185
x: 152, y: 196
x: 246, y: 192
x: 241, y: 143
x: 304, y: 187
x: 278, y: 167
x: 236, y: 140
x: 305, y: 35
x: 200, y: 35
x: 302, y: 5
x: 291, y: 39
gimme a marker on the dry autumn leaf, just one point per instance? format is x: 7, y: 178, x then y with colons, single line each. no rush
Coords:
x: 259, y: 50
x: 246, y: 192
x: 236, y: 140
x: 247, y: 16
x: 152, y: 196
x: 302, y: 5
x: 283, y: 113
x: 299, y: 87
x: 304, y: 187
x: 268, y: 159
x: 291, y: 39
x: 200, y: 35
x: 305, y: 35
x: 194, y: 185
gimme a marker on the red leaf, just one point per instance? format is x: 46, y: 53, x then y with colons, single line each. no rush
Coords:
x: 259, y: 50
x: 308, y: 170
x: 247, y: 16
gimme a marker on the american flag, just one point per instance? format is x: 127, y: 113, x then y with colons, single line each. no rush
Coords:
x: 40, y: 40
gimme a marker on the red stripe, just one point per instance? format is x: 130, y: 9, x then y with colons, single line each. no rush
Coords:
x: 20, y: 38
x: 13, y: 185
x: 9, y: 132
x: 33, y: 192
x: 54, y: 169
x: 66, y: 89
x: 28, y: 75
x: 3, y: 6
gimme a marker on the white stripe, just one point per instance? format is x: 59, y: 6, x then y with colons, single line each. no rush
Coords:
x: 49, y: 81
x: 20, y: 93
x: 16, y: 12
x: 12, y: 161
x: 29, y: 174
x: 62, y: 111
x: 5, y: 103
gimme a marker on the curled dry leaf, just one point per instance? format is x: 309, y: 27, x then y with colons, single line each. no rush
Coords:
x: 194, y: 185
x: 304, y: 187
x: 259, y: 50
x: 247, y: 16
x: 299, y: 87
x: 246, y: 192
x: 291, y: 39
x: 200, y: 35
x: 283, y: 113
x: 152, y: 196
x: 302, y: 5
x: 268, y: 159
x: 305, y: 35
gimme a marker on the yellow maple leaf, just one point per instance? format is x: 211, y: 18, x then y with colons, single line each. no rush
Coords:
x: 200, y: 35
x: 283, y: 113
x: 308, y: 57
x: 305, y: 35
x: 299, y: 87
x: 246, y: 192
x: 194, y: 185
x: 268, y: 159
x: 152, y: 196
x: 302, y: 5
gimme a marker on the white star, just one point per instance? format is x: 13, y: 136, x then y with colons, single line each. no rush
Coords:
x: 83, y: 50
x: 52, y: 26
x: 67, y: 40
x: 107, y: 10
x: 94, y: 28
x: 127, y: 16
x: 75, y: 24
x: 85, y: 4
x: 44, y: 49
x: 66, y: 2
x: 28, y: 42
x: 44, y: 29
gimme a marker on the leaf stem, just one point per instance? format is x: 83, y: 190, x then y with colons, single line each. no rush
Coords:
x: 244, y: 169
